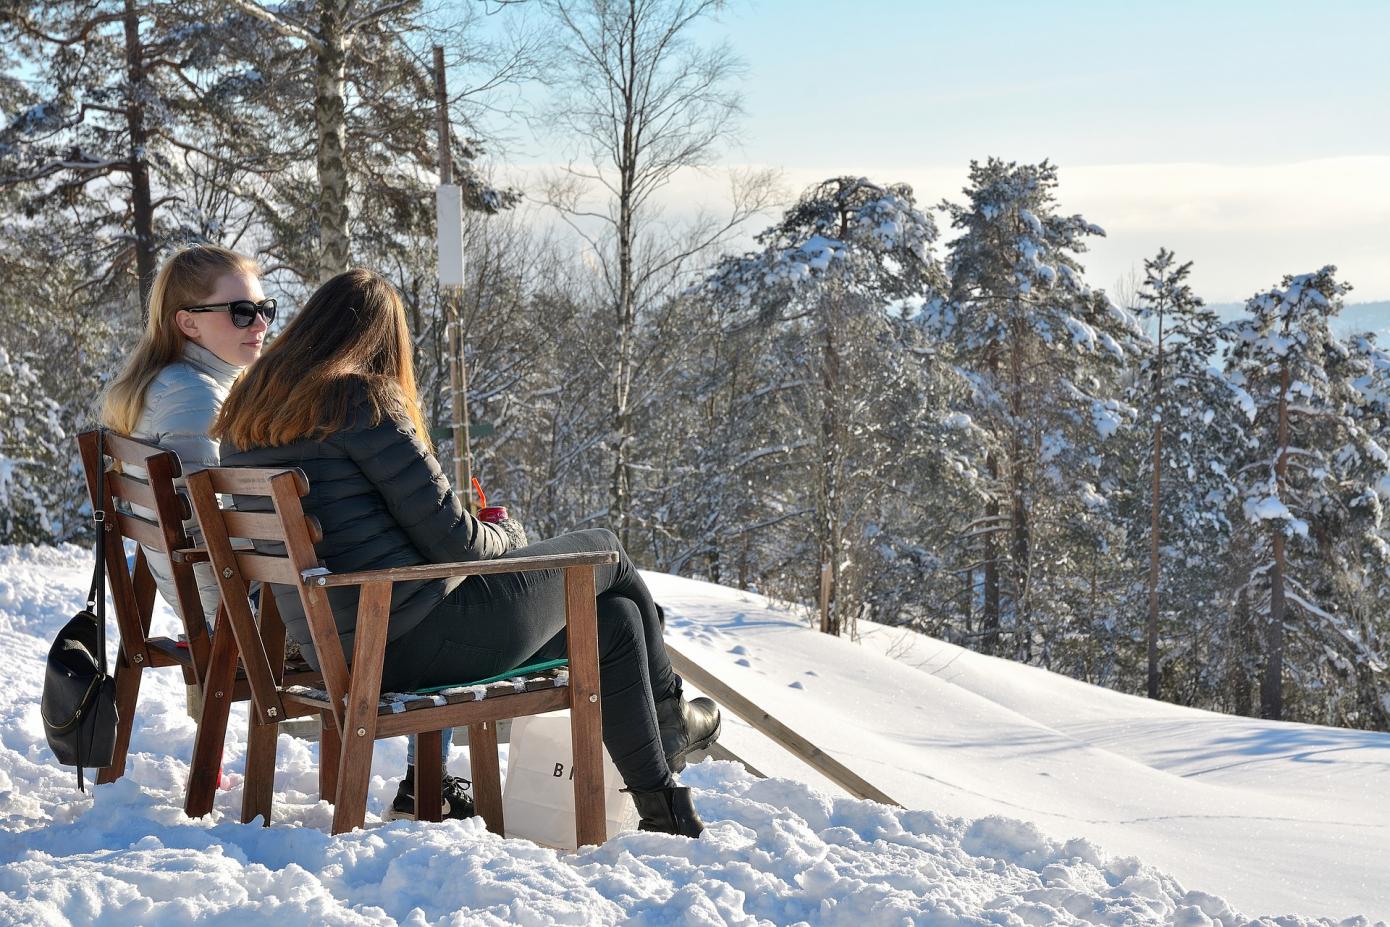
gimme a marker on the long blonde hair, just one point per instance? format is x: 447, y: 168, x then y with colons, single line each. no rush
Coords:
x: 186, y: 279
x: 350, y: 334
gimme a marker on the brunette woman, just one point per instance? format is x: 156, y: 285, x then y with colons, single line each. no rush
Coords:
x: 335, y: 396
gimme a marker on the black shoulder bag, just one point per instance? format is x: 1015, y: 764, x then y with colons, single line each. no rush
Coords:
x: 79, y: 696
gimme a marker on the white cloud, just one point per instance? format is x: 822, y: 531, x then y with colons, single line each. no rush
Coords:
x: 1243, y: 226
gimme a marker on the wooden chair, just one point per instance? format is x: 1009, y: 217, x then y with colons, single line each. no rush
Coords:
x: 353, y: 709
x: 153, y: 514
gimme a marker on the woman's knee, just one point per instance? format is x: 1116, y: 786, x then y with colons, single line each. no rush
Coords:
x: 619, y: 626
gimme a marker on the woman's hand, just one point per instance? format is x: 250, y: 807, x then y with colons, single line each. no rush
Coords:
x: 516, y: 535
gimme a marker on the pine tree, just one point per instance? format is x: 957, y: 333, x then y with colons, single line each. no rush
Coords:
x: 1044, y: 353
x: 1310, y: 484
x: 1190, y: 426
x: 824, y: 284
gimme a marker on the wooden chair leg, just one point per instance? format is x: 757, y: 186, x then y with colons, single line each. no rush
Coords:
x: 586, y: 716
x: 127, y: 694
x: 330, y: 745
x: 487, y: 773
x: 354, y: 774
x: 359, y: 720
x: 258, y: 788
x: 429, y: 778
x: 203, y: 774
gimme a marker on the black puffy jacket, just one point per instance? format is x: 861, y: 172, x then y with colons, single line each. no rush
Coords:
x: 383, y: 501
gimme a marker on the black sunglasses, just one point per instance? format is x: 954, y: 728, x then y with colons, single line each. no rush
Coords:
x: 242, y: 311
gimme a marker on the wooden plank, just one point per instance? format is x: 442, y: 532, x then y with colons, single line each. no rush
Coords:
x: 231, y: 573
x: 254, y: 526
x: 429, y: 776
x: 253, y: 481
x: 267, y: 568
x: 364, y: 691
x: 469, y: 568
x: 487, y: 774
x: 140, y: 530
x: 258, y: 789
x: 299, y: 546
x: 798, y: 745
x: 586, y: 713
x: 330, y: 746
x: 465, y: 713
x: 133, y: 451
x: 132, y: 490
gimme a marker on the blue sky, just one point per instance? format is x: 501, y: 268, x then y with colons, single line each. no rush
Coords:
x: 1080, y: 82
x: 1251, y: 137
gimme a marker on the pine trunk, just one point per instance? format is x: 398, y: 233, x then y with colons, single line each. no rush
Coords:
x: 330, y: 115
x: 828, y: 503
x: 1151, y: 631
x: 141, y: 203
x: 1271, y: 686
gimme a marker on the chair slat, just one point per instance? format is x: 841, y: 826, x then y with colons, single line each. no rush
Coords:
x: 131, y: 490
x: 266, y: 568
x: 134, y: 451
x: 141, y: 530
x: 265, y: 526
x: 251, y: 481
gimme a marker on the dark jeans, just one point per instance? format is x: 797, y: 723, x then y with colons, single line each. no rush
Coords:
x: 493, y: 623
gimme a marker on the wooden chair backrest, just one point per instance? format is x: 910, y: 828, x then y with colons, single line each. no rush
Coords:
x: 286, y: 539
x: 161, y: 531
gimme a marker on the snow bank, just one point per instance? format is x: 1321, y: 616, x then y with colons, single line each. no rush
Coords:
x: 778, y: 851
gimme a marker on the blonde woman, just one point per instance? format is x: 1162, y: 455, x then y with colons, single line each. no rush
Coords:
x: 336, y: 396
x: 207, y: 320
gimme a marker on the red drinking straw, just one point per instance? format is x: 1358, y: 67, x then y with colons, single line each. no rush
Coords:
x: 482, y: 499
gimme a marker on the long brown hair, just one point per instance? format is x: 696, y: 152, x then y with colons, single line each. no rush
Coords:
x: 187, y: 278
x: 351, y: 333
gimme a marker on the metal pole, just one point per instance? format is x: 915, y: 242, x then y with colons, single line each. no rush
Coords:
x: 458, y: 372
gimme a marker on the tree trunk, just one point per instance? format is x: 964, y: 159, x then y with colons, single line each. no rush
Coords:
x: 330, y: 115
x: 142, y: 209
x: 1245, y: 644
x: 621, y: 485
x: 828, y: 503
x: 989, y: 624
x: 1151, y: 631
x: 1271, y: 686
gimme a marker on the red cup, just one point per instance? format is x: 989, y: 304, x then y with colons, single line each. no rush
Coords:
x: 493, y: 513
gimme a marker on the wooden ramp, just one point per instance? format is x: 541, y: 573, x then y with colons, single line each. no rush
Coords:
x: 795, y: 743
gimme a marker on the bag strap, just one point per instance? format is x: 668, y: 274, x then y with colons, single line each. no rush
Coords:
x: 96, y: 595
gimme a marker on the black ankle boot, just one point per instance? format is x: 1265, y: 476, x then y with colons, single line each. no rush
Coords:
x: 668, y: 811
x: 686, y: 727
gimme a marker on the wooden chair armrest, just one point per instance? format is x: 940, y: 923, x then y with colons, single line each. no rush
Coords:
x: 190, y: 555
x: 200, y: 554
x: 323, y: 578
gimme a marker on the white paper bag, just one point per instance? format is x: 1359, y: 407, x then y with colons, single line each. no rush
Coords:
x: 538, y: 799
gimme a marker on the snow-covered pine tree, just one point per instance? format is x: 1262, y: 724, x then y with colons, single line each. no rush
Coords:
x: 1190, y: 426
x: 824, y: 287
x: 1044, y: 353
x: 1311, y: 485
x: 94, y: 141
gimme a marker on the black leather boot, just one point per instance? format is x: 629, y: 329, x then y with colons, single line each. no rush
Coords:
x: 686, y: 727
x: 668, y: 811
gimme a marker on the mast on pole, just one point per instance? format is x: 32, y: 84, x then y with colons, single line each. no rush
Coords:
x: 449, y: 218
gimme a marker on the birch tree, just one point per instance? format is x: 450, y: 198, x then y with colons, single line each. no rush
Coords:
x: 640, y: 103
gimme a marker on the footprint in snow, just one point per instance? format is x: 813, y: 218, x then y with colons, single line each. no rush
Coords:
x: 796, y: 684
x: 810, y: 673
x: 739, y: 649
x: 742, y: 662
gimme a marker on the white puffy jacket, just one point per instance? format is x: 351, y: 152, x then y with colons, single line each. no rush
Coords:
x: 180, y: 405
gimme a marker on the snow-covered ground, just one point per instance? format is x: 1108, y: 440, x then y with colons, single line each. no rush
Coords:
x: 1029, y: 799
